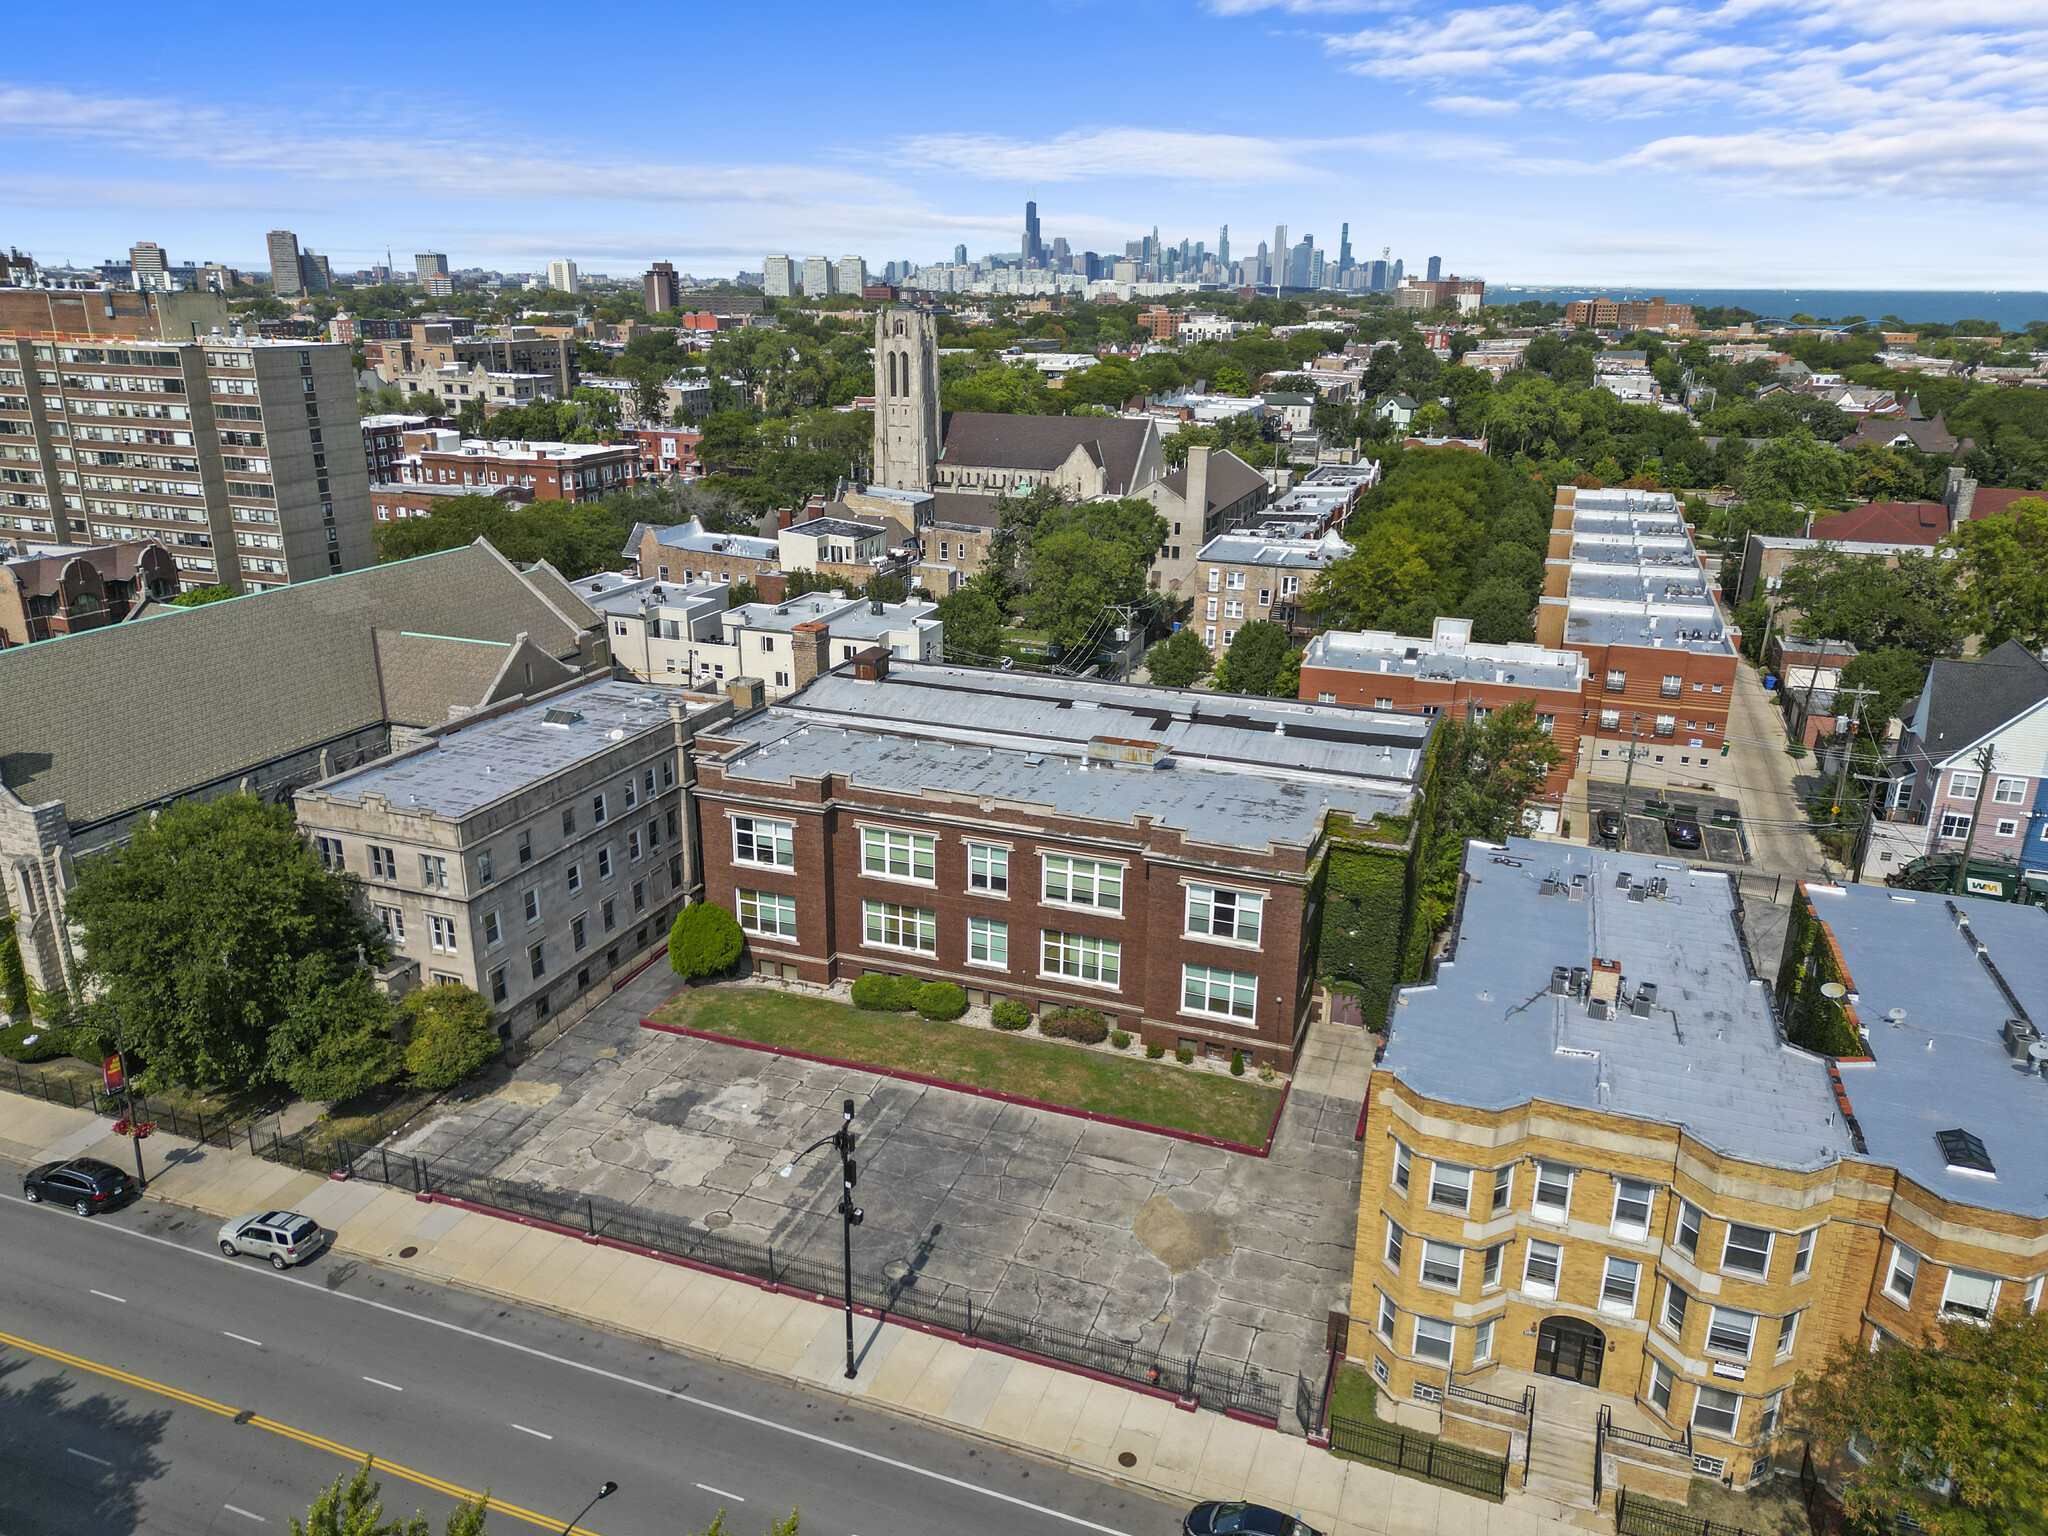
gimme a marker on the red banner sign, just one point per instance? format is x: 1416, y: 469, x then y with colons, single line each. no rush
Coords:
x: 111, y: 1067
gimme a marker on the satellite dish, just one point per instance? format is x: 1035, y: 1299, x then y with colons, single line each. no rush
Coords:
x: 1896, y: 1015
x: 1833, y: 989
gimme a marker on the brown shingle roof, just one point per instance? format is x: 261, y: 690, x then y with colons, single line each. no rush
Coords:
x: 1885, y: 522
x: 1230, y: 478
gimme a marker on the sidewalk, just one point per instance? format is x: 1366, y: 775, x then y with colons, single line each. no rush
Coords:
x: 1065, y: 1418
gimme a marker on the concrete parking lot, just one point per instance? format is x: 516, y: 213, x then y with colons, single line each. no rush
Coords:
x: 1149, y: 1239
x: 1720, y: 843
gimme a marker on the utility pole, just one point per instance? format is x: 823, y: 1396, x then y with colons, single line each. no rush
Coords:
x: 1812, y: 677
x: 1849, y: 750
x: 1635, y: 734
x: 1984, y: 762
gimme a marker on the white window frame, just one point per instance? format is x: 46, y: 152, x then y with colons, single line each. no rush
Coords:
x: 1442, y: 1257
x: 1403, y: 1166
x: 1715, y: 1325
x: 1490, y: 1268
x: 440, y: 934
x: 1788, y: 1333
x: 1553, y: 1255
x: 1482, y: 1341
x: 2001, y: 784
x: 1709, y: 1404
x: 1729, y: 1267
x: 988, y: 869
x: 1103, y: 877
x: 1904, y: 1260
x: 1618, y: 1270
x: 1802, y: 1255
x: 1662, y: 1379
x: 1503, y: 1198
x: 991, y: 936
x: 1690, y: 1220
x: 1963, y: 784
x: 1970, y: 1277
x: 1955, y: 824
x: 1773, y: 1410
x: 1394, y: 1246
x: 1202, y: 985
x: 921, y: 923
x: 752, y: 835
x: 1389, y: 1315
x: 529, y: 904
x: 1542, y: 1209
x: 1626, y: 1192
x: 392, y: 920
x: 1242, y: 911
x: 1085, y: 952
x: 1441, y: 1336
x: 494, y: 931
x: 1455, y: 1181
x: 881, y: 849
x: 764, y: 913
x: 1671, y: 1316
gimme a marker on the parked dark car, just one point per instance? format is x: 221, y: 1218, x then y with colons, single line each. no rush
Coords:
x: 1610, y: 828
x: 1236, y: 1519
x: 85, y: 1184
x: 1683, y: 832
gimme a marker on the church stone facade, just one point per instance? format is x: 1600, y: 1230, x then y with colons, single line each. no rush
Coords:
x: 907, y: 428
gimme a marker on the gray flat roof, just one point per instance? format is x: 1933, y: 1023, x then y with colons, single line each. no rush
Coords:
x: 844, y: 528
x: 1944, y: 1066
x: 1489, y: 1034
x: 473, y: 766
x: 1240, y: 772
x: 1380, y: 652
x: 849, y: 616
x: 1281, y: 554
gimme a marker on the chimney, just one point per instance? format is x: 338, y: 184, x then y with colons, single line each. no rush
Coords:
x: 812, y: 643
x: 785, y: 517
x: 1198, y: 487
x: 746, y: 694
x: 872, y: 664
x: 1960, y: 494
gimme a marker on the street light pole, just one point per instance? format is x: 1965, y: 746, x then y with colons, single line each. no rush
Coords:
x: 128, y: 1088
x: 603, y: 1493
x: 841, y: 1141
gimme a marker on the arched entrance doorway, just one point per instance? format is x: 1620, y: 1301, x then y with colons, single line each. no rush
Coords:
x: 1571, y: 1349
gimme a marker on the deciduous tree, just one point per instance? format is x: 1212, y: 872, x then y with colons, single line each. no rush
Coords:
x: 454, y: 1034
x: 1253, y: 662
x: 2005, y: 573
x: 1180, y: 660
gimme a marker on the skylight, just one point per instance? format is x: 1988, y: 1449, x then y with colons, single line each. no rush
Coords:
x: 1964, y: 1152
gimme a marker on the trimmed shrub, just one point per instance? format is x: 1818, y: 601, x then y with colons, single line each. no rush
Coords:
x: 1011, y: 1015
x: 1154, y: 1050
x: 941, y: 1000
x: 1184, y: 1056
x: 1119, y: 1039
x: 705, y: 941
x: 1084, y: 1025
x: 1237, y: 1063
x: 34, y: 1042
x: 454, y: 1033
x: 886, y: 994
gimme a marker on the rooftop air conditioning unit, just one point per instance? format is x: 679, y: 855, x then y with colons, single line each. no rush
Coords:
x: 2018, y: 1035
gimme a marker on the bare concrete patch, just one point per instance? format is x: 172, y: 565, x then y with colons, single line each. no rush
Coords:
x: 1181, y: 1239
x: 685, y: 1159
x: 527, y: 1091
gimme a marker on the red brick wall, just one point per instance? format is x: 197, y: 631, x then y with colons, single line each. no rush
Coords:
x: 1411, y: 694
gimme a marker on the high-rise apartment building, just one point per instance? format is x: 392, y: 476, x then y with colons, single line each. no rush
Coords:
x: 285, y: 280
x: 1223, y: 246
x: 1343, y: 254
x: 151, y: 266
x: 1394, y: 277
x: 658, y: 291
x: 1377, y: 276
x: 242, y: 457
x: 817, y: 277
x: 1436, y: 268
x: 959, y: 255
x: 430, y: 264
x: 315, y: 276
x: 562, y: 276
x: 1034, y: 249
x: 852, y: 275
x: 778, y: 277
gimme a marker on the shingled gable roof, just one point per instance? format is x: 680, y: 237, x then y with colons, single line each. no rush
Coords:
x: 119, y: 718
x: 1885, y: 522
x: 1230, y: 479
x: 1966, y: 701
x: 1044, y: 443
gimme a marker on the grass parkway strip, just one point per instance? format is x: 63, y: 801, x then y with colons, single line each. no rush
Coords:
x: 1237, y: 1112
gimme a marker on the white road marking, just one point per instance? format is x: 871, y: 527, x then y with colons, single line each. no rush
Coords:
x: 722, y: 1493
x: 754, y: 1419
x: 245, y: 1514
x: 534, y: 1432
x: 241, y: 1338
x: 121, y: 1299
x: 373, y: 1381
x: 98, y: 1461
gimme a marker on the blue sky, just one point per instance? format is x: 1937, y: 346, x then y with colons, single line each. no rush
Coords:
x: 1827, y: 143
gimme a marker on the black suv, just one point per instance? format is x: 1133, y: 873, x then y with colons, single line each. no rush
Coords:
x: 85, y: 1184
x: 1216, y: 1518
x: 1683, y: 832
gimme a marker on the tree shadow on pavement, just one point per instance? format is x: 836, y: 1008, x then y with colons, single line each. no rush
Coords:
x: 73, y: 1464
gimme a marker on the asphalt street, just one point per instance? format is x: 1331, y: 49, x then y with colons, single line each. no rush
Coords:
x: 147, y: 1384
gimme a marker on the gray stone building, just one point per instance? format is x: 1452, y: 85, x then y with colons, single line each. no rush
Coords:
x: 532, y: 851
x: 265, y: 693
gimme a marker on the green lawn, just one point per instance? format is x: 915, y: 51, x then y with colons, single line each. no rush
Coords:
x: 1174, y: 1097
x: 1353, y: 1392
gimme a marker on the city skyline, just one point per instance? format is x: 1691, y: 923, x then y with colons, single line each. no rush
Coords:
x: 1573, y: 145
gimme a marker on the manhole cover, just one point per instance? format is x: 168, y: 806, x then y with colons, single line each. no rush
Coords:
x: 407, y: 1252
x: 718, y: 1219
x: 896, y: 1270
x: 1127, y: 1459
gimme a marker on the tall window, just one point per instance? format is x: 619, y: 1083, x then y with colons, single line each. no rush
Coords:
x: 1688, y: 1239
x: 1442, y: 1263
x: 1674, y: 1310
x: 988, y: 869
x: 1392, y: 1252
x: 1503, y: 1188
x: 526, y: 847
x: 1489, y: 1276
x: 329, y: 849
x: 1539, y: 1269
x: 597, y: 810
x: 1482, y: 1341
x: 1788, y: 1334
x: 531, y: 901
x: 1388, y: 1314
x: 1402, y: 1160
x: 575, y: 878
x: 1631, y: 1208
x: 756, y: 840
x: 441, y: 933
x: 1433, y: 1339
x: 1083, y: 957
x: 499, y: 989
x: 1450, y: 1187
x: 895, y: 927
x: 1618, y: 1285
x: 988, y: 942
x: 1660, y: 1385
x: 904, y: 855
x: 1802, y: 1260
x: 1084, y: 882
x: 393, y: 923
x: 1231, y: 994
x: 537, y: 959
x: 1715, y: 1412
x: 383, y: 863
x: 1224, y: 914
x: 1553, y: 1191
x: 768, y: 912
x: 604, y: 862
x: 494, y: 935
x: 1730, y: 1332
x: 1747, y: 1251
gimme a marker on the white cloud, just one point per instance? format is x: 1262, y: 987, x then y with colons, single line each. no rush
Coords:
x: 1098, y: 154
x: 1980, y: 154
x: 1475, y: 106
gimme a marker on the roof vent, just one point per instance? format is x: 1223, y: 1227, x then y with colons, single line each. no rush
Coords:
x: 1964, y: 1153
x: 562, y: 717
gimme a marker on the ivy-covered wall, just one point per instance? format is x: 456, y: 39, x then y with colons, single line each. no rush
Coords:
x: 1821, y: 1024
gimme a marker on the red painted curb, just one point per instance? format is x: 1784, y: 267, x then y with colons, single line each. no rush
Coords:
x: 1243, y: 1417
x: 984, y: 1093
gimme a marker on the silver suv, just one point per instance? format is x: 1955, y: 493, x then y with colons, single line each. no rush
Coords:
x: 283, y: 1237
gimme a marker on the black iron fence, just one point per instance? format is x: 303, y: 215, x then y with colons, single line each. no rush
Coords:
x: 1424, y: 1456
x: 1217, y: 1384
x: 218, y: 1130
x: 56, y: 1087
x: 1636, y: 1516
